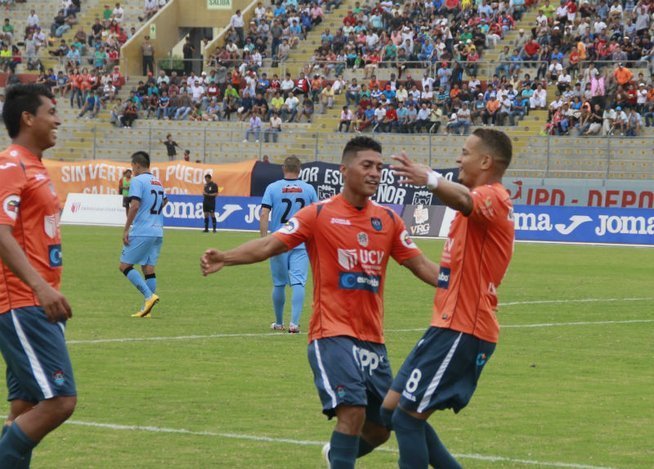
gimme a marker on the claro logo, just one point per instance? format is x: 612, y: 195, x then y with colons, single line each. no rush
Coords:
x: 604, y: 224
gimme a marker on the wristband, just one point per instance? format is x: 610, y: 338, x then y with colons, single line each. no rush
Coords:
x: 432, y: 180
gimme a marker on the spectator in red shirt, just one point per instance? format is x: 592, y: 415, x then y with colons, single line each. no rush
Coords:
x: 530, y: 50
x: 390, y: 121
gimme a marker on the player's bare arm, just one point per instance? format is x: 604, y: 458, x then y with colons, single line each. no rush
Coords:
x: 423, y: 268
x: 131, y: 215
x: 54, y: 304
x: 251, y: 252
x: 264, y: 218
x: 454, y: 195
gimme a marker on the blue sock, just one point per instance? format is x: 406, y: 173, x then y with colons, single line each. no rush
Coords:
x: 136, y: 279
x: 16, y: 448
x: 151, y: 282
x: 386, y: 417
x: 364, y: 448
x: 343, y: 450
x: 439, y: 456
x: 411, y: 440
x: 279, y: 298
x: 297, y: 303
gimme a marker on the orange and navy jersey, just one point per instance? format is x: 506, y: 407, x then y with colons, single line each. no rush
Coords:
x: 475, y: 258
x: 31, y: 207
x: 349, y: 249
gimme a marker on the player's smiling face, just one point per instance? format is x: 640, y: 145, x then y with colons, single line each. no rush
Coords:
x: 44, y: 124
x: 363, y: 173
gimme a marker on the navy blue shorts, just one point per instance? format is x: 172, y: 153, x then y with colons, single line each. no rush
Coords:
x: 34, y: 349
x: 351, y: 372
x: 442, y: 371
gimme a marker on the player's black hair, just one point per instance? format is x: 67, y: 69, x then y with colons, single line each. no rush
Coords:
x: 141, y: 158
x: 292, y: 164
x: 358, y: 144
x: 19, y: 99
x: 497, y: 143
x: 207, y: 176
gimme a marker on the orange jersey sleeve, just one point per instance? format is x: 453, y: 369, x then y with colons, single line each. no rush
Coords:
x: 475, y: 258
x: 31, y: 207
x: 349, y: 249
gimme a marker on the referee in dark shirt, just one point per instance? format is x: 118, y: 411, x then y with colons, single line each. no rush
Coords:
x: 209, y: 203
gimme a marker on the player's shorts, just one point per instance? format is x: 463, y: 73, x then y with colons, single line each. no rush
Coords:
x: 209, y: 206
x: 34, y: 349
x: 290, y: 268
x: 351, y: 372
x: 142, y: 250
x: 126, y: 202
x: 442, y: 370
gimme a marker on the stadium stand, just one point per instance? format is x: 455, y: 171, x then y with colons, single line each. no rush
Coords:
x: 427, y: 71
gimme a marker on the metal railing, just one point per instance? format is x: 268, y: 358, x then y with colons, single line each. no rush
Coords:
x: 537, y: 156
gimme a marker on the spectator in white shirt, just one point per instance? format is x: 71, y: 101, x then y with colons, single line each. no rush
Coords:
x: 237, y: 22
x: 118, y: 13
x: 346, y: 119
x: 32, y: 19
x: 254, y: 128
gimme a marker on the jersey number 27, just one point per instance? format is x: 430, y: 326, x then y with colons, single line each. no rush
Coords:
x: 158, y: 201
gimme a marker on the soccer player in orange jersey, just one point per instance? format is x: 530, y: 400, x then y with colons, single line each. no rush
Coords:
x: 349, y: 240
x: 442, y: 370
x: 33, y: 312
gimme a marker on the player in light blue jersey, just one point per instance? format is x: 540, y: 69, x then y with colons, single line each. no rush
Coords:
x: 142, y: 243
x: 281, y: 200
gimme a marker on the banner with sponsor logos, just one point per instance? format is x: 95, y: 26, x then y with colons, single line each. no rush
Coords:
x: 94, y: 209
x: 584, y: 224
x: 327, y: 179
x: 532, y: 223
x: 581, y: 192
x: 178, y: 177
x: 232, y: 213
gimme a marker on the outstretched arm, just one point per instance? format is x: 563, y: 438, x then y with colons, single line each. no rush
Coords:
x: 423, y: 268
x: 251, y: 252
x: 454, y: 195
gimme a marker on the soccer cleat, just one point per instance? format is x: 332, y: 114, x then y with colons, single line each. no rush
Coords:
x: 277, y: 327
x: 293, y: 328
x: 325, y: 454
x: 147, y: 308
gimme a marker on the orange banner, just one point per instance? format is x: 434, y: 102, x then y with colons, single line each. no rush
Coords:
x: 178, y: 177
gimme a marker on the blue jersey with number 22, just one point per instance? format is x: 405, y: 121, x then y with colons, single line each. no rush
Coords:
x: 285, y: 198
x: 150, y: 192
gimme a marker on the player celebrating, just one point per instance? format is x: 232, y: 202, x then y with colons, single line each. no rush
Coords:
x: 442, y: 370
x: 281, y: 201
x: 33, y: 312
x: 142, y: 244
x: 349, y: 240
x: 209, y: 202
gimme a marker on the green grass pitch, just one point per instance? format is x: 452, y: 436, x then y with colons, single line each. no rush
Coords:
x: 205, y: 383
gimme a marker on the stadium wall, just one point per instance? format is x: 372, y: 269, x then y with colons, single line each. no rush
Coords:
x: 587, y: 225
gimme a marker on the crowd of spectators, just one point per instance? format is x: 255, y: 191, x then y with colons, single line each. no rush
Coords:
x: 587, y: 51
x: 573, y: 48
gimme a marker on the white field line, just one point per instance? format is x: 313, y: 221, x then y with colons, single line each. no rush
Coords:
x: 508, y: 326
x: 277, y: 334
x: 266, y: 439
x: 579, y: 300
